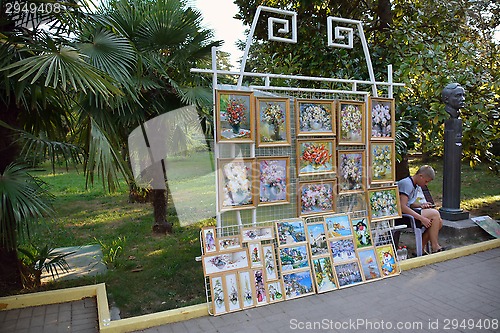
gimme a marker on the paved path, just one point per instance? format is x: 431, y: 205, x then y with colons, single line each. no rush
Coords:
x: 452, y: 296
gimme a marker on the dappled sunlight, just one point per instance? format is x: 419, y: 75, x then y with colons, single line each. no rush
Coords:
x: 156, y: 253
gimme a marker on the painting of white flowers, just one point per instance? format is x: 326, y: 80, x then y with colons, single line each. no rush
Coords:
x: 315, y: 157
x: 351, y: 123
x: 351, y: 171
x: 233, y: 297
x: 235, y: 117
x: 273, y: 122
x: 383, y: 203
x: 315, y: 117
x: 274, y: 177
x: 382, y: 162
x: 218, y: 296
x: 382, y: 118
x: 236, y: 183
x: 316, y: 197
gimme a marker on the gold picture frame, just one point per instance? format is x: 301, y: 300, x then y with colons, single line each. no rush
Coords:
x: 235, y: 116
x: 273, y: 122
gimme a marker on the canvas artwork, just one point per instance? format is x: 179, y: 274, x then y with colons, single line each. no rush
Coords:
x: 338, y: 225
x: 382, y: 118
x: 208, y: 236
x: 260, y: 288
x: 270, y: 261
x: 351, y: 123
x: 228, y: 243
x: 315, y: 117
x: 351, y: 171
x: 290, y: 231
x: 369, y: 264
x: 382, y: 162
x: 362, y: 233
x: 384, y: 203
x: 257, y: 234
x: 245, y: 281
x: 275, y: 291
x: 298, y: 284
x: 293, y: 257
x: 316, y: 235
x: 235, y: 117
x: 222, y: 262
x: 218, y: 295
x: 316, y: 197
x: 273, y: 122
x: 350, y: 202
x: 236, y: 184
x: 273, y: 180
x: 387, y: 260
x: 233, y: 297
x: 324, y: 274
x: 342, y: 250
x: 348, y: 274
x: 315, y: 157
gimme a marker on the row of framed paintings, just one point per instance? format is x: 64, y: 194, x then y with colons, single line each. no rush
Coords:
x: 237, y: 112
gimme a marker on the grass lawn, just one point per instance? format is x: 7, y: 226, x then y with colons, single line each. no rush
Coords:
x: 152, y: 273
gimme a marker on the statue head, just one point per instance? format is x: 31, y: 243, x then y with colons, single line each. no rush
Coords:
x: 453, y: 96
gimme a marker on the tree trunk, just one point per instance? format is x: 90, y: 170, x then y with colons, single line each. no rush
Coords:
x: 161, y: 225
x: 402, y: 168
x: 385, y: 14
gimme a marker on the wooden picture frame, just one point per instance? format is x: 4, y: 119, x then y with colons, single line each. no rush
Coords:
x: 382, y: 118
x: 236, y: 183
x: 383, y: 203
x: 316, y: 197
x: 369, y: 264
x: 362, y: 232
x: 274, y: 180
x: 387, y: 260
x: 233, y: 297
x: 235, y: 116
x: 259, y: 279
x: 382, y: 162
x: 255, y: 254
x: 342, y: 249
x: 226, y: 261
x: 219, y: 295
x: 298, y: 284
x: 316, y: 238
x: 290, y: 231
x: 247, y: 289
x: 273, y: 122
x: 324, y: 274
x: 293, y: 257
x: 208, y: 236
x: 229, y: 243
x: 351, y: 170
x: 275, y: 291
x: 338, y: 225
x: 351, y: 122
x: 268, y: 252
x: 315, y: 117
x: 315, y: 157
x: 348, y: 274
x: 250, y: 234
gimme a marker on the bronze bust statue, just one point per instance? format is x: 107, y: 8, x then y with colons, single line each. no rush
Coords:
x: 453, y: 96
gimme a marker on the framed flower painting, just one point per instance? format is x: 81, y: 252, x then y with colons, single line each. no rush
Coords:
x: 351, y: 171
x: 274, y: 177
x: 315, y: 157
x: 383, y: 204
x: 235, y: 116
x: 382, y: 118
x: 273, y: 122
x: 382, y: 162
x: 351, y: 121
x: 218, y: 293
x: 315, y: 117
x: 208, y: 237
x: 316, y: 197
x: 236, y: 183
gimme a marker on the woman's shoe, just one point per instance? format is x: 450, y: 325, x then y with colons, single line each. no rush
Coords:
x: 441, y: 249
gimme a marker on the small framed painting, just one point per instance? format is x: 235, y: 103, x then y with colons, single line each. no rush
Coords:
x: 293, y: 257
x: 338, y: 225
x: 228, y: 243
x: 218, y: 295
x: 290, y: 232
x: 351, y: 123
x: 315, y: 157
x: 270, y: 261
x: 369, y: 264
x: 249, y: 234
x: 382, y: 116
x: 255, y: 250
x: 273, y: 122
x: 387, y: 260
x: 235, y: 116
x: 342, y: 250
x: 247, y: 290
x: 351, y: 170
x: 362, y: 232
x: 382, y: 162
x: 236, y: 183
x: 208, y: 237
x: 317, y: 197
x: 348, y: 274
x: 233, y: 297
x: 324, y: 275
x: 298, y: 284
x: 260, y: 287
x: 222, y: 262
x: 275, y: 291
x: 315, y: 117
x: 383, y: 204
x: 274, y: 178
x: 316, y: 236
